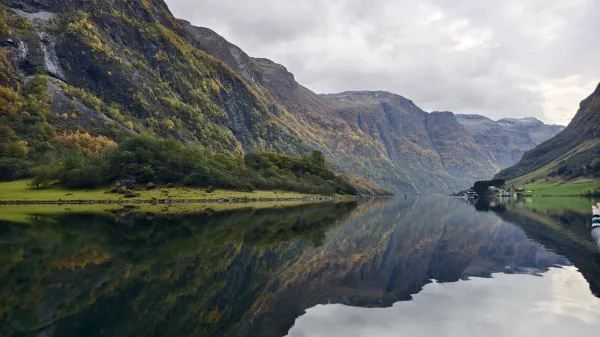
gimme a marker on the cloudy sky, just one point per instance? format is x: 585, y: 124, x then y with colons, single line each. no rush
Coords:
x: 512, y: 58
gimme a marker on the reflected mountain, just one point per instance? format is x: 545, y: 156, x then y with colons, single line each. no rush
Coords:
x: 563, y: 225
x: 137, y: 274
x: 246, y: 272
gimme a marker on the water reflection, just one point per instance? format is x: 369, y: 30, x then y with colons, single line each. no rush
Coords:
x: 252, y: 272
x: 138, y: 274
x: 557, y: 304
x: 561, y: 224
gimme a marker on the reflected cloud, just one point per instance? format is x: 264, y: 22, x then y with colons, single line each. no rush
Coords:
x: 505, y: 305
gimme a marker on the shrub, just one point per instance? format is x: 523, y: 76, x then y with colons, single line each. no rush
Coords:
x: 10, y: 101
x: 146, y: 175
x: 87, y: 176
x: 14, y: 168
x: 85, y: 143
x: 45, y: 175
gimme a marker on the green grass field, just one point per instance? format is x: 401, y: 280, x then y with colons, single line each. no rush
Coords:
x: 570, y: 188
x: 21, y: 190
x: 573, y: 203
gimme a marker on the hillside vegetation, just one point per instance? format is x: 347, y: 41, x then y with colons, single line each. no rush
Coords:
x: 144, y: 160
x: 86, y: 137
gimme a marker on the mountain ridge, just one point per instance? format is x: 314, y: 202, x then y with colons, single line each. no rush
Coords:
x: 134, y: 68
x: 317, y: 110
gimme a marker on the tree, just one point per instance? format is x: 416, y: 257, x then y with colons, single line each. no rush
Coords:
x: 317, y: 159
x: 45, y: 175
x: 10, y: 101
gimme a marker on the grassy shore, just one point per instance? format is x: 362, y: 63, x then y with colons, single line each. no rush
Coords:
x: 24, y: 213
x: 562, y: 188
x: 22, y: 192
x: 573, y: 203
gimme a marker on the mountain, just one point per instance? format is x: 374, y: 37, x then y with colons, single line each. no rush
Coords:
x: 115, y: 69
x: 536, y: 129
x: 506, y: 140
x: 380, y: 135
x: 131, y: 56
x: 431, y: 149
x: 571, y: 154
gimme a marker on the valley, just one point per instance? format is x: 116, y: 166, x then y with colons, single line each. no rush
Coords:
x: 75, y: 72
x: 279, y: 168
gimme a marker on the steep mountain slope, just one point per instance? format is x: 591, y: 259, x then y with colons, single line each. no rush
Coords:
x: 572, y: 153
x: 458, y: 150
x: 536, y: 129
x: 131, y: 56
x: 506, y: 140
x: 433, y: 149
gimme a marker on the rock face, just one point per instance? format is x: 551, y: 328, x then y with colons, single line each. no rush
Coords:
x: 572, y: 153
x: 536, y: 129
x: 432, y: 149
x: 506, y: 140
x: 458, y: 149
x: 132, y: 55
x: 131, y: 67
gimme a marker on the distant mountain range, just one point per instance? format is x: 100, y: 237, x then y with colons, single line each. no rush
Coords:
x: 119, y: 68
x: 506, y: 140
x: 573, y: 153
x: 383, y: 136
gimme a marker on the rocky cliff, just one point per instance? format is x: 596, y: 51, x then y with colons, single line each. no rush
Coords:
x: 506, y: 140
x: 132, y: 57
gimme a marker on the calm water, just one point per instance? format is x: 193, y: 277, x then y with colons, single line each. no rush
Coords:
x: 416, y: 267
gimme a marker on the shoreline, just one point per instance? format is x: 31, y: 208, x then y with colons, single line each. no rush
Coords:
x: 21, y: 193
x: 170, y: 201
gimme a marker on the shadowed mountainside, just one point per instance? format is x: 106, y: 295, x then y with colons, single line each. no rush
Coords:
x: 573, y: 153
